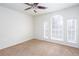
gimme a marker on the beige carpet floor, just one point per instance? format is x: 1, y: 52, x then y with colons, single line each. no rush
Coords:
x: 39, y: 48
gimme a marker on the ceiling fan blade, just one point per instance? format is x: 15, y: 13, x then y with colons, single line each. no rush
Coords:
x: 36, y: 4
x: 28, y: 8
x: 41, y: 7
x: 28, y: 4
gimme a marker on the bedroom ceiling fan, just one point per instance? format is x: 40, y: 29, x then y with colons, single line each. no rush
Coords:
x: 34, y: 6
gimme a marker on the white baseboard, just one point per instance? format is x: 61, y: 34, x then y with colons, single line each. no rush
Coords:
x: 14, y: 43
x: 76, y: 45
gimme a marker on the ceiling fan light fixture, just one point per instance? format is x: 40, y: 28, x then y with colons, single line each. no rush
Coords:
x: 35, y: 11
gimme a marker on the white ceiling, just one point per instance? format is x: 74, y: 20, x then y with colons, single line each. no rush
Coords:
x: 51, y: 7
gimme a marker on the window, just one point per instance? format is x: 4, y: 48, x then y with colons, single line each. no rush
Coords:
x: 46, y: 30
x: 57, y: 27
x: 71, y: 30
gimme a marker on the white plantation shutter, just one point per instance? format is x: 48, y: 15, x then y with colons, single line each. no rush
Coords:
x: 57, y: 27
x: 71, y: 30
x: 46, y: 30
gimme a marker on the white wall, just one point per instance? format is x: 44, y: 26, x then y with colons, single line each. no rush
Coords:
x: 66, y: 13
x: 15, y: 27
